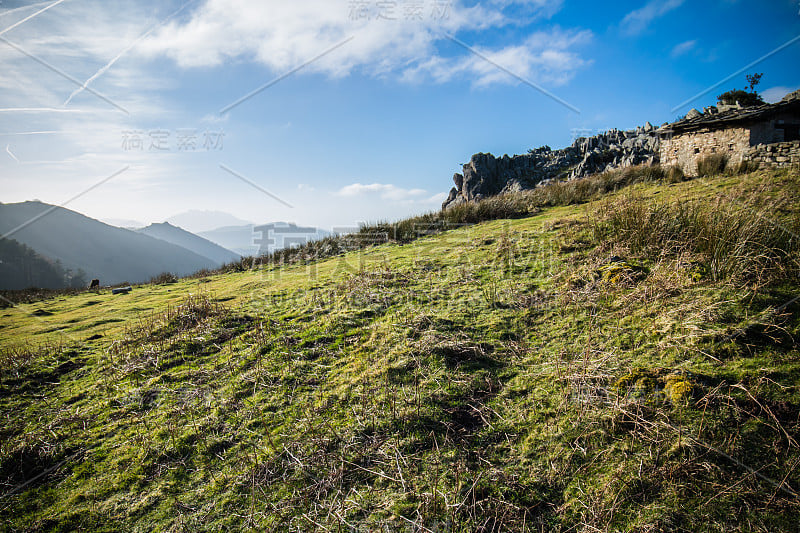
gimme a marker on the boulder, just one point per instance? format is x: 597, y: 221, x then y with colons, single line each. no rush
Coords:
x: 693, y: 113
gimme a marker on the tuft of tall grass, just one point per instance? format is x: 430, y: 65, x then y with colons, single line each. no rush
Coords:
x: 584, y: 189
x: 743, y: 167
x: 12, y: 358
x: 712, y: 165
x: 674, y: 174
x: 190, y: 312
x: 738, y: 240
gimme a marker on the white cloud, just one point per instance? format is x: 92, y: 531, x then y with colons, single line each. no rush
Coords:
x: 544, y: 57
x: 683, y: 48
x: 542, y: 8
x: 285, y: 35
x: 386, y: 191
x: 437, y: 198
x: 638, y: 20
x: 776, y: 94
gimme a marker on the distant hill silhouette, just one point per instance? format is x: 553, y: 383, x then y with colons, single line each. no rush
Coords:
x: 238, y: 239
x: 123, y: 223
x: 197, y: 221
x: 245, y: 240
x: 114, y: 255
x: 175, y: 235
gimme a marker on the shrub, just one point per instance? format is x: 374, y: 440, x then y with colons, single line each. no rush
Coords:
x: 163, y: 279
x: 674, y: 174
x: 712, y: 165
x: 743, y: 97
x: 242, y: 265
x: 743, y: 167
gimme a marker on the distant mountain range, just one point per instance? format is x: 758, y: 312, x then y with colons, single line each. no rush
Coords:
x: 198, y: 221
x: 238, y: 239
x: 122, y: 223
x: 113, y: 255
x: 58, y: 247
x: 250, y: 240
x: 180, y: 237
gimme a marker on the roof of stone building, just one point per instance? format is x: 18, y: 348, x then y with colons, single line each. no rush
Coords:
x: 716, y: 118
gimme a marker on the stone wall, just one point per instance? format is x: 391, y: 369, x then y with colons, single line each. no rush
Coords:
x: 777, y: 154
x: 685, y: 149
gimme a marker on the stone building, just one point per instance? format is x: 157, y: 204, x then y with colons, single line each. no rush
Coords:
x: 767, y: 134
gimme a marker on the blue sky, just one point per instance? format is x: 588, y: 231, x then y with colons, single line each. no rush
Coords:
x: 376, y: 103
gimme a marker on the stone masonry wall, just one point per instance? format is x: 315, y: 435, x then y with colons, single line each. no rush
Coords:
x: 777, y: 154
x: 685, y: 149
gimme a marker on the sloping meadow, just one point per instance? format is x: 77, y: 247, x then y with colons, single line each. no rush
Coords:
x: 628, y: 363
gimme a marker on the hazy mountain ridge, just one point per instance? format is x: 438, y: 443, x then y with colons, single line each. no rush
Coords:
x: 190, y: 241
x: 197, y: 221
x: 114, y: 255
x: 248, y: 240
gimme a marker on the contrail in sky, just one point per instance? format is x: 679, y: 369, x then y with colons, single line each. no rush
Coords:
x: 116, y: 58
x: 48, y: 132
x: 14, y: 10
x: 8, y: 149
x: 26, y: 19
x: 40, y: 110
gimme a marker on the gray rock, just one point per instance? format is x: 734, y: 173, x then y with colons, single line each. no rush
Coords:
x: 486, y: 175
x: 693, y: 113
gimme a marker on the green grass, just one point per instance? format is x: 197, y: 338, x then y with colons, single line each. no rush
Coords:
x: 505, y: 375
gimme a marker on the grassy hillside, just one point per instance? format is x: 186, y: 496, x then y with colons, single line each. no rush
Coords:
x: 629, y: 363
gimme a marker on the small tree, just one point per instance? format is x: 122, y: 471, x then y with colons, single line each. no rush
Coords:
x: 744, y: 97
x: 753, y: 80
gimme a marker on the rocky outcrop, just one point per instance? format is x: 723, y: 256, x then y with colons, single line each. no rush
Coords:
x: 486, y: 175
x: 792, y: 97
